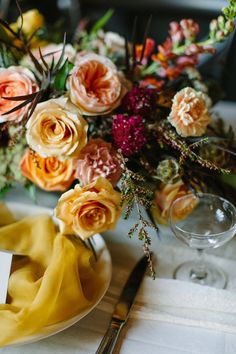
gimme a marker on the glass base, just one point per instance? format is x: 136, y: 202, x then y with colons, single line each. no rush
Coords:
x: 210, y: 275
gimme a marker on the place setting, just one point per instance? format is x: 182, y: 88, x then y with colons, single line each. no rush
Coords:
x: 117, y: 186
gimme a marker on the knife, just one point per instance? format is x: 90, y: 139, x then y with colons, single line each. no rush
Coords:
x: 122, y: 308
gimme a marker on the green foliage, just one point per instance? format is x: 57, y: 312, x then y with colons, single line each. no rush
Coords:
x: 7, y: 57
x: 230, y: 11
x: 10, y: 157
x: 61, y: 76
x: 102, y: 21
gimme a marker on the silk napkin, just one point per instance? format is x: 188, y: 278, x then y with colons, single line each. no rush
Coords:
x: 53, y: 281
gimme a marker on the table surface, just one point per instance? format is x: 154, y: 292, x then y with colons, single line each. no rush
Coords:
x: 137, y: 336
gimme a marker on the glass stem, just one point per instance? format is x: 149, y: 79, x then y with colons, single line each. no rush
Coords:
x: 199, y: 271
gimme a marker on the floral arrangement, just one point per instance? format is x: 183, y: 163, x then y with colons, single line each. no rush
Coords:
x: 112, y: 123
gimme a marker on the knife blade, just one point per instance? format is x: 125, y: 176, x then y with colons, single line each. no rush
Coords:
x: 123, y: 307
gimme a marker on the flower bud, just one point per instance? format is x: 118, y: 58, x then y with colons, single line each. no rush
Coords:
x: 229, y: 26
x: 221, y: 22
x: 213, y: 25
x: 168, y: 171
x: 220, y: 35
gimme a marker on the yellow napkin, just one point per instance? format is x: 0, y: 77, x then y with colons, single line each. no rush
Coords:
x: 55, y: 281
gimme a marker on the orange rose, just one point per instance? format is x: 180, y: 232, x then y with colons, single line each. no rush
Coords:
x: 189, y: 113
x: 88, y: 210
x: 95, y: 86
x: 48, y: 173
x: 15, y: 81
x: 164, y: 197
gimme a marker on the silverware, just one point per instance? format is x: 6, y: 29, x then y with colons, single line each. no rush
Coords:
x: 122, y: 308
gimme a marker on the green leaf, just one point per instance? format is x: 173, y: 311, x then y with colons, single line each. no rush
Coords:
x: 61, y: 76
x: 102, y: 21
x: 151, y: 69
x: 6, y: 57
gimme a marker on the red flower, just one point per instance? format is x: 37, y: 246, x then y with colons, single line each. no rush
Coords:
x: 128, y: 133
x: 152, y: 82
x: 149, y: 48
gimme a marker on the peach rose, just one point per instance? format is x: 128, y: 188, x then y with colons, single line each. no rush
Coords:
x: 95, y: 86
x: 48, y: 173
x: 97, y: 158
x: 189, y: 113
x: 88, y: 210
x: 50, y: 52
x: 56, y: 129
x: 15, y: 81
x: 164, y: 197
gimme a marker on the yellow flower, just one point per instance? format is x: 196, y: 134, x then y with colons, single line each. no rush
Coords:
x: 189, y: 113
x: 88, y: 210
x: 57, y: 129
x: 165, y: 195
x: 32, y: 21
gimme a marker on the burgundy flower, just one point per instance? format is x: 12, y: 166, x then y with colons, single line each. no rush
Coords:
x: 139, y: 101
x: 128, y: 133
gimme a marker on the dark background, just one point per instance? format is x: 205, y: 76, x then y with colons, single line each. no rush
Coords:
x: 222, y: 67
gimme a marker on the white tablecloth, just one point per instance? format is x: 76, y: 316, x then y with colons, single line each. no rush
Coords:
x: 145, y: 331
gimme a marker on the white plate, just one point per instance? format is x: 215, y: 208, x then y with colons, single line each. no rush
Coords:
x: 103, y: 267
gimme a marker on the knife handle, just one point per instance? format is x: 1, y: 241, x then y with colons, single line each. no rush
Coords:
x: 108, y: 342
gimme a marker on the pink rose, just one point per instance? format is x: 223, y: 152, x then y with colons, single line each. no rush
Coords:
x: 95, y: 86
x: 97, y: 159
x: 15, y: 81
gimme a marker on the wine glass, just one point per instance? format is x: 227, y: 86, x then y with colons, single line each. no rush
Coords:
x: 202, y: 221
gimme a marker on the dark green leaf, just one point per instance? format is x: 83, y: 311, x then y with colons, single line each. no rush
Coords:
x: 34, y: 104
x: 37, y: 65
x: 18, y: 107
x: 145, y: 38
x: 102, y: 21
x: 42, y: 58
x: 6, y: 57
x: 60, y: 79
x: 21, y: 98
x: 60, y: 61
